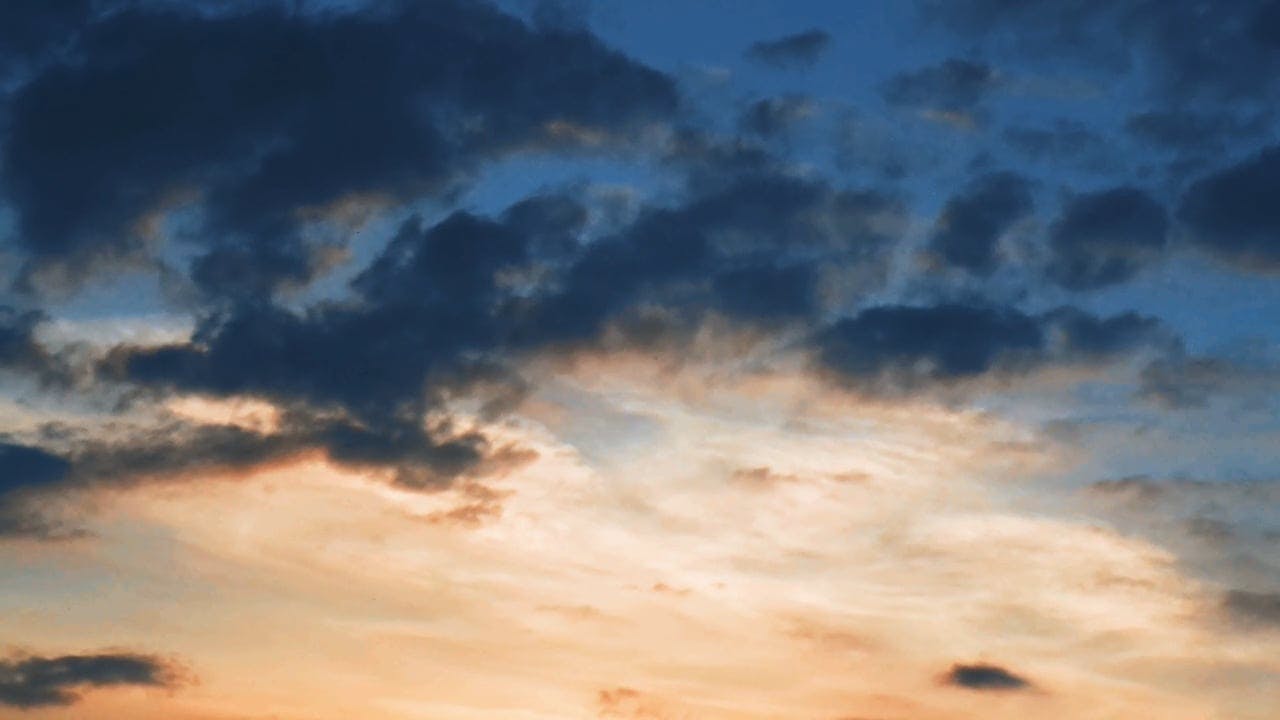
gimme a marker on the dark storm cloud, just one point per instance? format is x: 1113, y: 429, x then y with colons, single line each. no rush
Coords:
x: 952, y: 86
x: 981, y: 676
x: 34, y: 682
x: 967, y: 233
x: 1232, y: 214
x: 1253, y: 607
x: 799, y: 50
x: 258, y: 117
x: 1104, y: 238
x: 898, y: 347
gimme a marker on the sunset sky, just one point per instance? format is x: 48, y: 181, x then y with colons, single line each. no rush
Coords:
x: 639, y: 359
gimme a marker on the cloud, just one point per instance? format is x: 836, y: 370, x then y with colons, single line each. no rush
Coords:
x: 447, y: 312
x: 24, y: 471
x: 28, y: 682
x: 1231, y: 216
x: 908, y: 347
x: 1182, y: 382
x: 981, y: 676
x: 1186, y: 49
x: 954, y: 87
x: 771, y: 117
x: 791, y: 51
x: 256, y: 117
x: 22, y: 352
x: 1188, y: 131
x: 1063, y: 143
x: 27, y: 467
x: 1105, y: 238
x: 1253, y: 607
x: 967, y: 233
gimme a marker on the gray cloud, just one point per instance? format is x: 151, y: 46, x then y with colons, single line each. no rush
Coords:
x: 28, y: 682
x: 801, y: 49
x: 1105, y: 238
x: 983, y: 676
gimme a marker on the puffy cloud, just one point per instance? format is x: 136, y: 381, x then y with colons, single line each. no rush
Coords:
x: 771, y: 117
x: 1231, y: 214
x: 954, y: 87
x: 257, y: 117
x: 28, y: 682
x: 899, y: 347
x: 801, y: 49
x: 22, y: 352
x: 968, y: 231
x: 983, y: 676
x: 1106, y: 237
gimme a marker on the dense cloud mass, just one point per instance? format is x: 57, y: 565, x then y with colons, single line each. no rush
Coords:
x: 914, y: 346
x: 34, y: 682
x: 258, y: 118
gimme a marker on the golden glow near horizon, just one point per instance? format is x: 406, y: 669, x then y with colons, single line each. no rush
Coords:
x: 681, y: 547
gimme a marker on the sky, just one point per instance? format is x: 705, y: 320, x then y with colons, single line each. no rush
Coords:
x: 611, y: 360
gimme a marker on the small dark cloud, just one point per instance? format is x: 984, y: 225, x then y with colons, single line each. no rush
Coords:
x: 1105, y: 238
x: 981, y: 676
x: 1232, y: 214
x: 968, y: 231
x: 799, y: 50
x: 952, y: 88
x: 1253, y: 607
x: 28, y: 682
